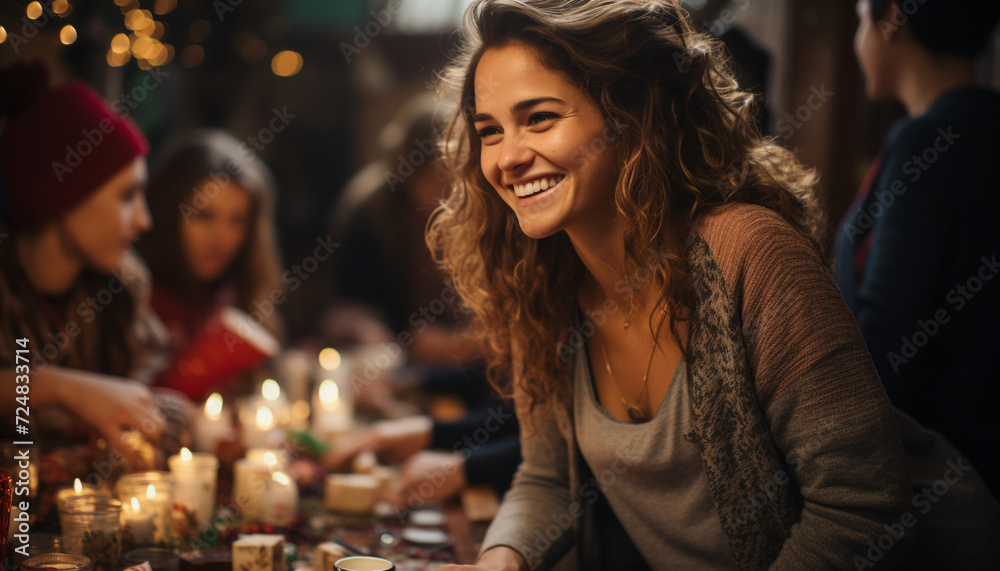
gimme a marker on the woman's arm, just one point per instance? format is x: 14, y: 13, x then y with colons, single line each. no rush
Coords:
x: 827, y: 412
x: 538, y: 504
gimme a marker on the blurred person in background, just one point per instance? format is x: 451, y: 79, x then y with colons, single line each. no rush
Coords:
x: 917, y: 253
x: 71, y: 291
x: 389, y: 290
x: 214, y: 243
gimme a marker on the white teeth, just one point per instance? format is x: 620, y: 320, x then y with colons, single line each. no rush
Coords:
x: 536, y: 186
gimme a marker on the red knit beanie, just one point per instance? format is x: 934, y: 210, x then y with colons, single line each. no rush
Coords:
x: 58, y: 146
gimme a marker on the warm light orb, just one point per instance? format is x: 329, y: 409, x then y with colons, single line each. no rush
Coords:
x: 3, y: 35
x: 34, y: 10
x: 77, y: 486
x: 270, y: 459
x: 186, y: 455
x: 120, y: 43
x: 286, y: 63
x: 265, y: 418
x: 67, y: 35
x: 329, y: 392
x: 150, y: 492
x: 270, y: 389
x: 213, y: 406
x: 135, y: 504
x: 59, y: 6
x: 281, y: 478
x: 329, y: 358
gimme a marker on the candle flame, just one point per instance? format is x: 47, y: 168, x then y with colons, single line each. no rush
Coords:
x: 77, y: 486
x: 213, y: 406
x: 281, y: 478
x: 135, y: 504
x: 329, y: 358
x: 186, y: 455
x: 265, y: 418
x: 270, y: 459
x: 329, y: 392
x: 271, y: 390
x: 150, y: 492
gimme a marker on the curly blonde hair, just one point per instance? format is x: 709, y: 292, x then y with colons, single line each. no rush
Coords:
x: 686, y: 144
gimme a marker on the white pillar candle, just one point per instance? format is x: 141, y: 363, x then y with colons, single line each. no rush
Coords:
x: 138, y: 524
x: 279, y: 503
x: 196, y: 476
x: 212, y: 426
x: 249, y: 481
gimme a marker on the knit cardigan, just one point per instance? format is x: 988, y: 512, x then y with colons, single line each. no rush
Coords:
x: 797, y: 438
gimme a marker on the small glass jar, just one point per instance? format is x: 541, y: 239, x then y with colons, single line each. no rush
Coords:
x: 58, y: 561
x: 154, y: 498
x: 194, y: 495
x: 91, y: 526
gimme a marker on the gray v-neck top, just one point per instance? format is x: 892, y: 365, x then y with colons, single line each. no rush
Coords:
x: 652, y: 477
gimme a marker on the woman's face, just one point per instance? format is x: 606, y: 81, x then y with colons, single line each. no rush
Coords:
x: 870, y: 47
x: 103, y: 228
x: 544, y: 143
x: 213, y: 235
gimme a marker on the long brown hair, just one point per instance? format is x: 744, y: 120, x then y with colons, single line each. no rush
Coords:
x: 686, y: 145
x: 175, y: 181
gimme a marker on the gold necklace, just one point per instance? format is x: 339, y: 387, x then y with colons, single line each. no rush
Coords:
x: 634, y: 412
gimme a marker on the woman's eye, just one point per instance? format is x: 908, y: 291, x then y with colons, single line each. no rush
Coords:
x: 537, y: 118
x: 487, y: 131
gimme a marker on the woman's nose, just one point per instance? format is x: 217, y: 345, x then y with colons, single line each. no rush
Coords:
x: 514, y: 154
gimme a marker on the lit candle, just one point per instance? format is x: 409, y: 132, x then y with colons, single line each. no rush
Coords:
x: 279, y: 502
x: 194, y: 493
x: 78, y: 489
x: 260, y: 428
x: 332, y: 412
x: 213, y: 426
x: 139, y: 525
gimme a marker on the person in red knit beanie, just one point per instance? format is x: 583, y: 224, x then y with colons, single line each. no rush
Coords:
x: 73, y: 321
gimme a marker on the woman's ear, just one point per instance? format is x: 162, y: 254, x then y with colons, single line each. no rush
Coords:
x: 890, y: 24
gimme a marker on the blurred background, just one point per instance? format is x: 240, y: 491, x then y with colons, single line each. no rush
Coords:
x: 309, y: 84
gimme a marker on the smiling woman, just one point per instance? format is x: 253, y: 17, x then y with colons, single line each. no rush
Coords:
x: 606, y: 171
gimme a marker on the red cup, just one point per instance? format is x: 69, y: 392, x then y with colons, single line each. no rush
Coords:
x: 231, y: 343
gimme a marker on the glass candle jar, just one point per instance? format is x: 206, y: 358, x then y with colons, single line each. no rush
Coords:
x: 91, y: 526
x: 194, y: 495
x: 148, y: 520
x: 58, y: 561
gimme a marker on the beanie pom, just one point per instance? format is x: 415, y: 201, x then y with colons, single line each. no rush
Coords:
x: 22, y: 85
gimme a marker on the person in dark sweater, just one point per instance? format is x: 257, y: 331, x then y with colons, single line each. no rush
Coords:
x: 917, y: 253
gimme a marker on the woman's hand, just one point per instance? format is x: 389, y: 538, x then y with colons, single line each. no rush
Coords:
x: 499, y: 558
x: 390, y: 440
x: 430, y: 476
x: 109, y: 404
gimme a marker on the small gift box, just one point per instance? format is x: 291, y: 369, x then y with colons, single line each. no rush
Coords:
x: 259, y: 552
